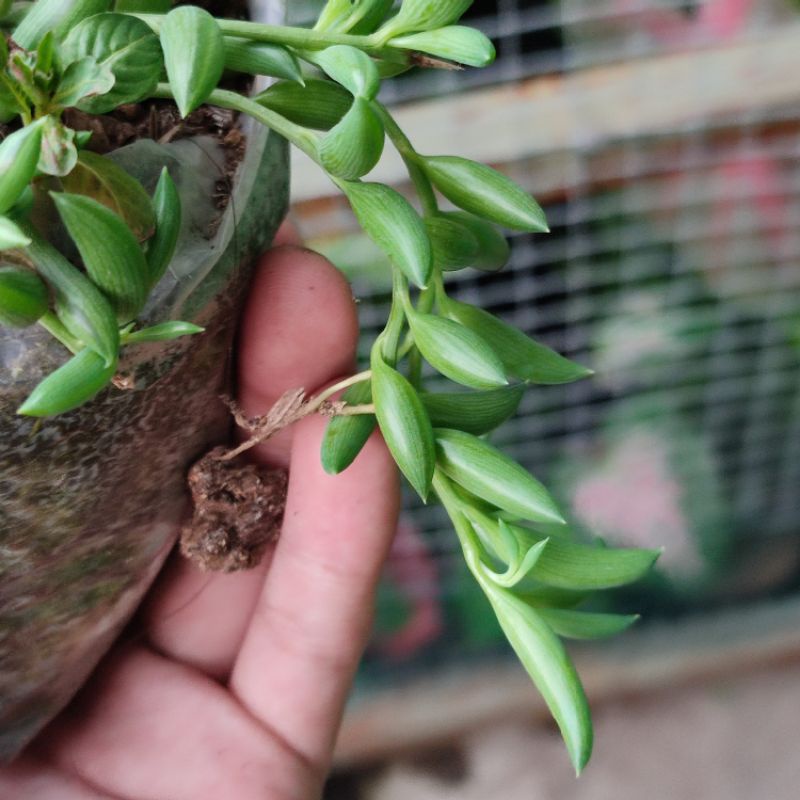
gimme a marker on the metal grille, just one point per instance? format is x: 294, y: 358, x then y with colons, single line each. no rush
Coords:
x: 673, y: 270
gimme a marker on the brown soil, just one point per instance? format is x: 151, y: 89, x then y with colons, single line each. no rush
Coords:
x: 238, y: 512
x: 160, y: 120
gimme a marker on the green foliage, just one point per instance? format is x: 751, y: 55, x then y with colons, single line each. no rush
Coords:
x: 548, y: 664
x: 58, y: 16
x: 23, y: 297
x: 404, y: 424
x: 454, y: 244
x: 346, y: 436
x: 456, y: 352
x: 355, y: 144
x: 82, y: 80
x: 352, y: 69
x: 107, y: 183
x: 194, y: 55
x: 318, y: 104
x: 97, y: 55
x: 19, y: 156
x: 484, y: 471
x: 112, y: 256
x: 571, y: 565
x: 260, y: 58
x: 125, y: 46
x: 165, y: 332
x: 393, y: 224
x: 585, y: 624
x: 424, y: 15
x: 523, y: 357
x: 456, y: 43
x: 70, y: 386
x: 79, y: 303
x: 485, y: 192
x: 167, y: 208
x: 477, y: 413
x: 493, y: 250
x: 11, y: 235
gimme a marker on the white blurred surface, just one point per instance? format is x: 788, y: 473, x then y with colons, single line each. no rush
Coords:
x: 728, y: 740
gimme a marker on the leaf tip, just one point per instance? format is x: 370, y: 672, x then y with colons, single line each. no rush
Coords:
x: 580, y: 753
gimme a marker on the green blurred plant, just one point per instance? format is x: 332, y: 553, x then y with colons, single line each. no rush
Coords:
x: 96, y: 55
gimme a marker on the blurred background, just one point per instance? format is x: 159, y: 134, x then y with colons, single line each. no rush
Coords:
x: 662, y: 138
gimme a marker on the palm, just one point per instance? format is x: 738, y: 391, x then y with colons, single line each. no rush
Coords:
x: 237, y: 687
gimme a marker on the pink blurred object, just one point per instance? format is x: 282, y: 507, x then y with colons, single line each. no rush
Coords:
x: 715, y: 21
x: 412, y: 570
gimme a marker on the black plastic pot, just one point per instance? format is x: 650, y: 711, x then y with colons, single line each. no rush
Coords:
x: 91, y: 501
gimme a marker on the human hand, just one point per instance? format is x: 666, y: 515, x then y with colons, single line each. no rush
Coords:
x: 237, y: 686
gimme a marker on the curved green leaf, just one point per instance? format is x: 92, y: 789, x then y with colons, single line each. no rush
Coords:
x: 570, y: 565
x: 455, y: 43
x: 261, y: 58
x: 83, y: 79
x: 109, y: 250
x: 345, y: 437
x: 59, y: 154
x: 393, y: 224
x: 477, y: 413
x: 354, y: 146
x: 485, y: 472
x: 456, y: 352
x: 194, y: 54
x: 484, y: 192
x: 23, y: 297
x: 19, y: 156
x: 143, y: 6
x: 404, y: 425
x: 350, y: 67
x: 110, y: 185
x: 80, y: 305
x: 58, y: 16
x: 521, y: 569
x: 353, y: 16
x: 493, y: 249
x: 550, y: 668
x: 585, y: 624
x: 320, y: 104
x: 423, y: 15
x: 11, y: 235
x: 165, y: 332
x: 125, y: 45
x: 522, y: 356
x: 161, y: 248
x: 333, y: 15
x: 70, y: 386
x: 454, y: 245
x: 367, y: 16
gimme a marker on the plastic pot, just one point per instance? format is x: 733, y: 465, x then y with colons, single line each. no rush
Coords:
x: 91, y: 501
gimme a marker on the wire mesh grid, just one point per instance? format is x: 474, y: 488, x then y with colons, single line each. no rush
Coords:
x: 673, y: 270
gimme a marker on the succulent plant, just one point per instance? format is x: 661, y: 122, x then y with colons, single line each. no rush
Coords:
x: 83, y: 246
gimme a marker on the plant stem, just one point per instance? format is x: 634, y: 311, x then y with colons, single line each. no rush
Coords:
x: 297, y: 135
x: 303, y: 38
x: 361, y: 377
x: 402, y: 143
x: 54, y: 327
x: 454, y: 506
x: 355, y: 411
x: 390, y: 338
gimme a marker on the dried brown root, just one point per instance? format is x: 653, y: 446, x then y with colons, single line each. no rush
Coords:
x: 238, y: 506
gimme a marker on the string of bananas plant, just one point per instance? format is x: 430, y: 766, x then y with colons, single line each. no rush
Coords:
x: 97, y: 55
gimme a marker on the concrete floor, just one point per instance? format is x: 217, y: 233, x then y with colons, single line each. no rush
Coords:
x: 736, y: 738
